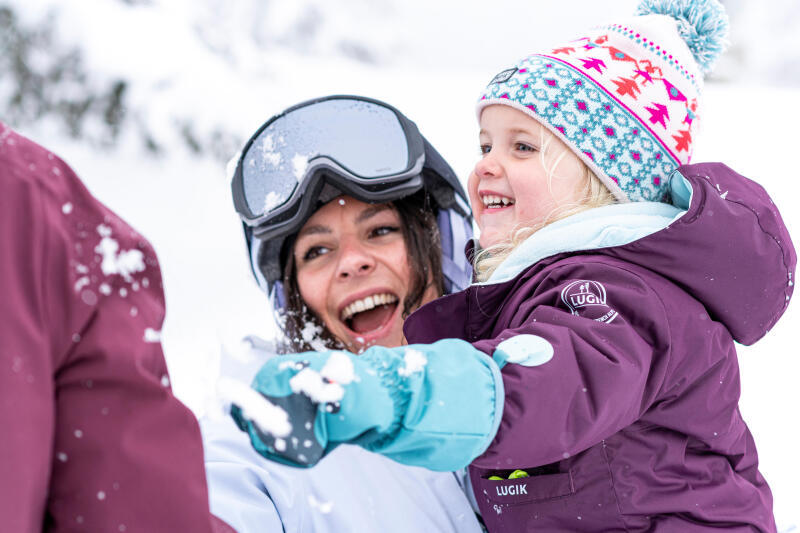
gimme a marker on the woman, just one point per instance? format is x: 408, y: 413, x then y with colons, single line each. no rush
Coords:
x: 352, y: 221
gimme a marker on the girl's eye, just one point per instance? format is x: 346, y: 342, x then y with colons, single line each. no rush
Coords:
x: 522, y: 147
x: 314, y: 252
x: 485, y: 149
x: 380, y: 231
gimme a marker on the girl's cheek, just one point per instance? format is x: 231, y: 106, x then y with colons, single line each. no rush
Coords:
x: 472, y: 190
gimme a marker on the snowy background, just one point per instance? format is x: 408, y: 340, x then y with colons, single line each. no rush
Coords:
x: 148, y: 99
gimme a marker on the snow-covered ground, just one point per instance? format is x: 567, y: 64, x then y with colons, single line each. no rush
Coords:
x: 419, y: 59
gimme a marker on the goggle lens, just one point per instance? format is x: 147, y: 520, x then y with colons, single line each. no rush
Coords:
x: 370, y: 143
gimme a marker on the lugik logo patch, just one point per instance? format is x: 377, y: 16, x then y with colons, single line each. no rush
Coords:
x: 587, y: 298
x: 512, y: 490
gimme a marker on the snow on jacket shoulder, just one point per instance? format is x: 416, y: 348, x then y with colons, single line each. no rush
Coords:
x: 620, y: 373
x: 93, y: 439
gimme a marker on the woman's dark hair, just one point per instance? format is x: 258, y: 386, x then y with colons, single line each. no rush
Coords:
x: 423, y: 244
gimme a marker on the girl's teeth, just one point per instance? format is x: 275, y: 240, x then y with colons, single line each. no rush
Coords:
x: 493, y: 201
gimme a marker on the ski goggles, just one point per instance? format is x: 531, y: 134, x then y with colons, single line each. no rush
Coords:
x: 360, y: 146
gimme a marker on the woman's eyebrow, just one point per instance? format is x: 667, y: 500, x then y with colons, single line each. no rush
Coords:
x: 370, y: 212
x: 313, y: 230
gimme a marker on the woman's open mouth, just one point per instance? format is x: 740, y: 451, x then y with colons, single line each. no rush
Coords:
x: 369, y: 314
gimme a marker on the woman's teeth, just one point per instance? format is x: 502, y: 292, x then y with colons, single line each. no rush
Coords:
x: 491, y: 201
x: 365, y: 304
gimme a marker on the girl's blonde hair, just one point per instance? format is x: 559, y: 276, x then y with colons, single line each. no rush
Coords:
x: 595, y: 195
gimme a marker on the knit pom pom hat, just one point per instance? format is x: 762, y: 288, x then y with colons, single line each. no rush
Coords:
x: 625, y: 96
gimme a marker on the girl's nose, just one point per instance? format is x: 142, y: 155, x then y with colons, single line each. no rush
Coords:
x: 354, y: 259
x: 487, y: 166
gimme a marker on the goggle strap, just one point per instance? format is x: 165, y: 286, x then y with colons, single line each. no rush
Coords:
x: 255, y: 249
x: 278, y: 296
x: 455, y: 267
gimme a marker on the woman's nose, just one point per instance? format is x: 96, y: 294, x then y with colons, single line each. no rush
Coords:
x: 354, y: 260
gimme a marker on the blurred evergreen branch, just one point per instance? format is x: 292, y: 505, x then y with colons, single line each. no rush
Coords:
x: 40, y: 78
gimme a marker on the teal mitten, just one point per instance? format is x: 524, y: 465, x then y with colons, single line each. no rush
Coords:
x: 436, y: 405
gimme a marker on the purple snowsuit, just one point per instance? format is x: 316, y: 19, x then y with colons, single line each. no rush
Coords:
x: 633, y: 423
x: 91, y: 437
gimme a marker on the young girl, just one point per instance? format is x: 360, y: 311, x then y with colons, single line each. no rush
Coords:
x: 610, y: 288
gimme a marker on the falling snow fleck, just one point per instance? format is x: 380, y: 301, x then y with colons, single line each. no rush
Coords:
x: 165, y: 380
x: 78, y: 433
x: 66, y: 208
x: 89, y: 297
x: 101, y: 495
x: 62, y: 457
x: 81, y: 283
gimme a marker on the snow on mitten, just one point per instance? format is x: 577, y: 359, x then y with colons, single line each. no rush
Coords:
x: 436, y: 405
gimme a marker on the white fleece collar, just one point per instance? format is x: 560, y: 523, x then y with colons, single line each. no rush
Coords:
x: 602, y: 227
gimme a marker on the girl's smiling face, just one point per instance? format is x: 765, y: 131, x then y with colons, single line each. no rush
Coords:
x: 353, y: 271
x: 511, y: 187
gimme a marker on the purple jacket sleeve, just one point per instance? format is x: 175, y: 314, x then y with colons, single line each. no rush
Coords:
x: 596, y: 347
x: 93, y: 439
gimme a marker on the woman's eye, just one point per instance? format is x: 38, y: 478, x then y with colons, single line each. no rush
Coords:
x: 383, y: 230
x: 522, y: 147
x: 485, y: 149
x: 315, y: 251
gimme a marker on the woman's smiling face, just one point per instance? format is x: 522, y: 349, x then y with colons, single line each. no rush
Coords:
x: 353, y: 271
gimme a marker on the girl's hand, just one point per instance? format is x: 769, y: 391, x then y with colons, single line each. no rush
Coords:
x: 435, y: 405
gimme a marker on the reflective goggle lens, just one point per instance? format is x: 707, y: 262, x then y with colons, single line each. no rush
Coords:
x: 369, y: 143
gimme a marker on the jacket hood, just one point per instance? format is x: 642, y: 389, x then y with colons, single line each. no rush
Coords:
x: 723, y: 241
